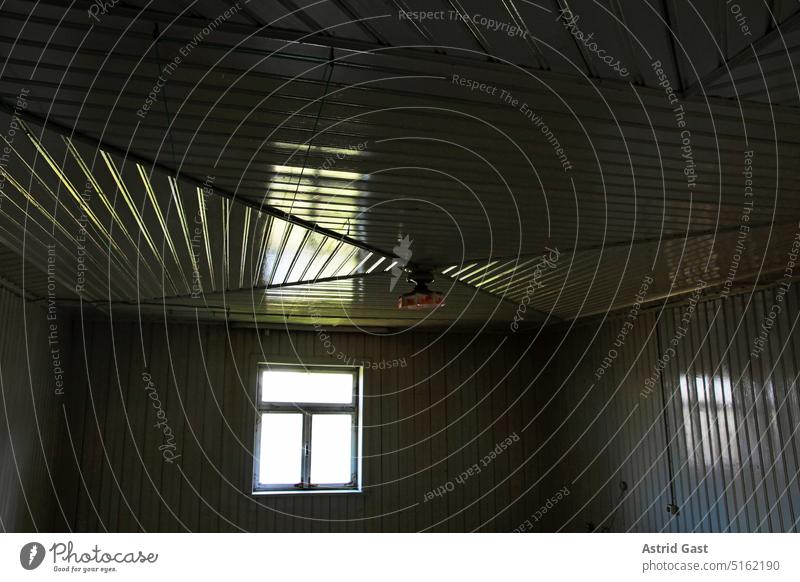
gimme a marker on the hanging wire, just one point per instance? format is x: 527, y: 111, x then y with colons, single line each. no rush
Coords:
x: 157, y: 41
x: 314, y: 130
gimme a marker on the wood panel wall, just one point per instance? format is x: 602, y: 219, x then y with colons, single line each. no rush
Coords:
x: 424, y: 425
x: 717, y: 437
x: 30, y: 417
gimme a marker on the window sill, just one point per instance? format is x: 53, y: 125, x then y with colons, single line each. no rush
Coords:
x: 306, y: 492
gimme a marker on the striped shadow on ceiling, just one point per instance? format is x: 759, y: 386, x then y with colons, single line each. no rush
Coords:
x: 110, y: 229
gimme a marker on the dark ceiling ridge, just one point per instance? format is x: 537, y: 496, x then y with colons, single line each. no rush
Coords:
x: 763, y: 59
x: 636, y: 242
x: 744, y: 55
x: 373, y: 49
x: 71, y: 133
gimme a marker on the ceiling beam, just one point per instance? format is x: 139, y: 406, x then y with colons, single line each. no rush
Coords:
x: 366, y: 27
x: 253, y: 289
x: 671, y: 31
x: 743, y: 56
x: 711, y: 292
x: 775, y: 58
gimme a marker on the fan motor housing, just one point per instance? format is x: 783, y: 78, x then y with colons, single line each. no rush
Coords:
x: 421, y: 297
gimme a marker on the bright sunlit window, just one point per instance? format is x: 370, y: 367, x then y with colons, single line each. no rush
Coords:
x: 308, y: 429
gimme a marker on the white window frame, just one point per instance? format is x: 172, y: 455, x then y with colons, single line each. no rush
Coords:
x: 308, y: 410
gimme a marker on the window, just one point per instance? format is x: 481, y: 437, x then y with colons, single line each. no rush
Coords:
x: 308, y: 431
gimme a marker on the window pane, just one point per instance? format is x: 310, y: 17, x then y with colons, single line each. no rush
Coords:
x: 310, y: 387
x: 331, y: 452
x: 281, y: 448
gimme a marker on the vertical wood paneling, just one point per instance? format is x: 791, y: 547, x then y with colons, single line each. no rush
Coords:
x: 438, y: 435
x: 731, y: 421
x: 419, y: 420
x: 390, y: 435
x: 229, y: 446
x: 192, y: 392
x: 408, y: 492
x: 498, y: 367
x: 152, y: 487
x: 422, y: 431
x: 73, y: 485
x: 364, y: 346
x: 30, y: 418
x: 722, y: 434
x: 454, y: 435
x: 484, y: 387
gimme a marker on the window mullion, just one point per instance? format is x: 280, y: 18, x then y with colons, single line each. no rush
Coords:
x: 306, y: 467
x: 354, y: 448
